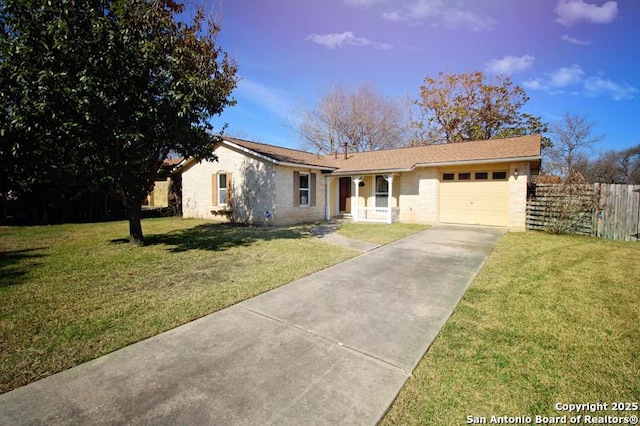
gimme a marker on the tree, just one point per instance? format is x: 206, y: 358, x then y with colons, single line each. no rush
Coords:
x: 630, y: 165
x: 103, y: 90
x: 458, y: 107
x: 362, y: 118
x: 572, y: 139
x: 614, y: 167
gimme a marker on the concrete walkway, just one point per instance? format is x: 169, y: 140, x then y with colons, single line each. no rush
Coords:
x: 332, y: 348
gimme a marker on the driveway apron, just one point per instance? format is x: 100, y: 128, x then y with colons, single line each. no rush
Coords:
x: 334, y: 347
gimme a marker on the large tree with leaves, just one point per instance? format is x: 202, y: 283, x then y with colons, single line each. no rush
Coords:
x: 469, y: 106
x: 102, y: 91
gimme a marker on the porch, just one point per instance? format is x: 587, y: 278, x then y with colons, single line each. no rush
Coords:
x: 363, y: 198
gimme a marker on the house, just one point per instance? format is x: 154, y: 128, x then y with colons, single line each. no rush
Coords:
x: 161, y: 195
x: 476, y: 182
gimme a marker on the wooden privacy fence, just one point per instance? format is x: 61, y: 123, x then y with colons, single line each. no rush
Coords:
x: 618, y: 214
x: 603, y: 210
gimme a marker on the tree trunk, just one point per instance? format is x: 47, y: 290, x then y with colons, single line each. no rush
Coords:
x: 134, y: 211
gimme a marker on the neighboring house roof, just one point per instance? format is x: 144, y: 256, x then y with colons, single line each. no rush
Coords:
x: 172, y: 162
x: 523, y: 148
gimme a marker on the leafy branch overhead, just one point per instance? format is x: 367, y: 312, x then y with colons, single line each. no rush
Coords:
x: 102, y: 91
x: 458, y: 107
x: 450, y: 108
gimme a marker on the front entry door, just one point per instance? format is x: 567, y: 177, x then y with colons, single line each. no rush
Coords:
x: 345, y: 194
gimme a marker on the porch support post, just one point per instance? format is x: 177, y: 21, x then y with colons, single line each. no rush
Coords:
x: 327, y: 194
x: 389, y: 179
x: 356, y: 181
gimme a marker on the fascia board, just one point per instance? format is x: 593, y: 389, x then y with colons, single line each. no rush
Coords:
x: 472, y: 162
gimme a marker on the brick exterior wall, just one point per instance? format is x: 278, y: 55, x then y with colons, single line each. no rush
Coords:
x: 258, y: 186
x: 252, y: 180
x: 284, y: 210
x: 419, y: 196
x: 518, y: 196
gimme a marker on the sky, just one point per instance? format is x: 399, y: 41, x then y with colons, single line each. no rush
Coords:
x: 570, y: 56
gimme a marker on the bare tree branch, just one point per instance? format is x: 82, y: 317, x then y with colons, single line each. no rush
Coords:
x: 362, y: 118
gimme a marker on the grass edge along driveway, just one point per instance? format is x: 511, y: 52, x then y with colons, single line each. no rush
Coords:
x: 71, y: 293
x: 549, y: 319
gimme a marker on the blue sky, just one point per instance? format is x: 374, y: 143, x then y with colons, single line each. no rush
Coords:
x: 576, y: 56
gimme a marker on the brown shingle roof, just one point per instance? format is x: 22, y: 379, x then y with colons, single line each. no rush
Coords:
x: 281, y: 154
x: 525, y: 147
x: 461, y: 152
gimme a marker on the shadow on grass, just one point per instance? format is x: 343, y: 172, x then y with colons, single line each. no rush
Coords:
x: 15, y: 264
x: 220, y: 236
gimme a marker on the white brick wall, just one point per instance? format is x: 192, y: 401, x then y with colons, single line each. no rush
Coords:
x: 284, y: 210
x: 419, y: 196
x: 518, y: 196
x: 258, y: 186
x: 252, y: 179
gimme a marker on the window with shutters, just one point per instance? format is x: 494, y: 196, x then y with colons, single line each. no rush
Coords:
x: 222, y: 189
x: 304, y: 189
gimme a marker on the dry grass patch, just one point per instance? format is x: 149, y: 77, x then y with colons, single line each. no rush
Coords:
x: 71, y: 293
x: 548, y: 319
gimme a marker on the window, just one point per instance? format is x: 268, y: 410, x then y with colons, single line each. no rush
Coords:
x: 464, y: 176
x: 222, y: 189
x: 448, y: 176
x: 499, y: 175
x: 304, y: 189
x: 482, y: 176
x: 382, y: 191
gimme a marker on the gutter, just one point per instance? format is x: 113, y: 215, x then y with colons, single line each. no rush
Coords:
x: 470, y: 162
x: 371, y: 171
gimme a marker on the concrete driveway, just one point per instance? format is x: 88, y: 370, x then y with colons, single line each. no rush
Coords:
x: 334, y: 347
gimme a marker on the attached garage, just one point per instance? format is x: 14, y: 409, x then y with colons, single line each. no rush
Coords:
x: 478, y: 197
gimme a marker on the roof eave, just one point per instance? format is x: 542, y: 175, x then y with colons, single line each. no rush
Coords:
x: 369, y: 172
x: 184, y: 165
x: 273, y: 160
x: 485, y: 161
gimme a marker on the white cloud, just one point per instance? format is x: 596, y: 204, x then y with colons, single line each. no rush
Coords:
x: 419, y: 11
x: 347, y: 38
x: 510, y: 64
x: 362, y: 3
x: 565, y: 76
x: 573, y: 40
x: 416, y: 11
x: 534, y: 84
x: 556, y: 81
x: 595, y: 86
x: 276, y: 101
x: 456, y: 18
x: 571, y: 12
x: 575, y: 80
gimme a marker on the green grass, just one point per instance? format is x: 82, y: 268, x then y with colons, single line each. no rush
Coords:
x: 71, y: 293
x: 378, y: 233
x: 548, y: 319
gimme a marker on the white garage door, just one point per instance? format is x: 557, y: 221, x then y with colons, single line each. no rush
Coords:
x: 474, y: 198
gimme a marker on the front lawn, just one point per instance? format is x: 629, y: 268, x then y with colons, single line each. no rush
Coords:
x: 379, y: 233
x: 71, y: 293
x: 549, y: 319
